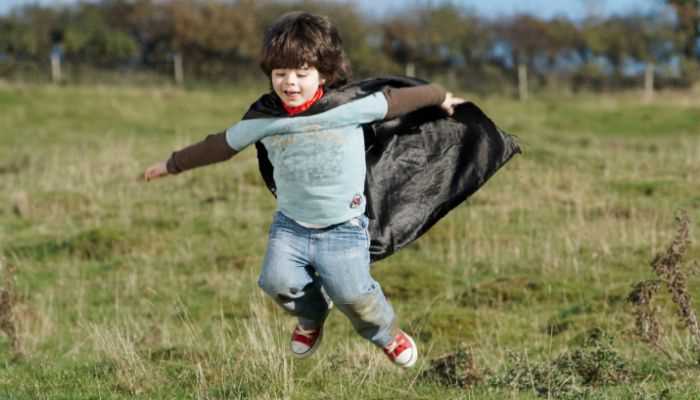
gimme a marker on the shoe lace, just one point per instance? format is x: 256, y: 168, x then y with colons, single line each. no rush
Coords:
x: 391, y: 346
x: 399, y: 341
x: 309, y: 333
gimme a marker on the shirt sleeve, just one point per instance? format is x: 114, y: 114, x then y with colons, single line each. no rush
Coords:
x: 245, y: 132
x: 367, y: 109
x: 211, y: 150
x: 408, y: 99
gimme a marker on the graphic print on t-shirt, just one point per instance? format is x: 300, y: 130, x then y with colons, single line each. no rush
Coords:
x: 309, y: 158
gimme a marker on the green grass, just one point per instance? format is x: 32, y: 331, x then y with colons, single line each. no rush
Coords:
x: 130, y: 290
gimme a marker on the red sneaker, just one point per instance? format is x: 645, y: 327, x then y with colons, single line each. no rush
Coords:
x: 305, y: 341
x: 402, y: 351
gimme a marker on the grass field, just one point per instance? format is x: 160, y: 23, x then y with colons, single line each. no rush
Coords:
x: 113, y: 288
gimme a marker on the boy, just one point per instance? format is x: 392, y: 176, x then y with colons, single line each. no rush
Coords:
x: 318, y: 244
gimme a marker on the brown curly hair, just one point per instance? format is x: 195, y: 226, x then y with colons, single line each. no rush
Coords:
x: 299, y: 38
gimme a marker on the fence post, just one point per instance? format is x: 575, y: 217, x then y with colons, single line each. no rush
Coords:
x: 410, y: 69
x: 56, y: 55
x: 522, y: 82
x: 649, y: 82
x: 177, y: 69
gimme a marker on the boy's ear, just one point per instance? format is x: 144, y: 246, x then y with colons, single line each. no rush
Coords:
x: 322, y: 81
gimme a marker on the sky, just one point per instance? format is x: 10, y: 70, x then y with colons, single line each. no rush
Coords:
x: 574, y: 9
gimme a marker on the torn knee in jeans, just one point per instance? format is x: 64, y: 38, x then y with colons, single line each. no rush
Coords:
x: 276, y: 287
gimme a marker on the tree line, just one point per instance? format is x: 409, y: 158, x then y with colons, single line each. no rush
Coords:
x: 220, y: 40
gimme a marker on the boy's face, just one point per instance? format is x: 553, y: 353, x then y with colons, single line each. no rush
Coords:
x: 295, y: 86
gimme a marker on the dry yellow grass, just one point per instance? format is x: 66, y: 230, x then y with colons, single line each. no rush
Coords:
x: 126, y: 289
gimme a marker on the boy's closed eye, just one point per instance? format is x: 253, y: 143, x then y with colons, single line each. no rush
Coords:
x: 300, y: 73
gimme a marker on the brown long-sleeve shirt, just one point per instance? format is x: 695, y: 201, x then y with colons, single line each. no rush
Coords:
x: 214, y: 147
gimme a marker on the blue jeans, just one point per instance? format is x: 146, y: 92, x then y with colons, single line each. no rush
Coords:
x: 301, y: 263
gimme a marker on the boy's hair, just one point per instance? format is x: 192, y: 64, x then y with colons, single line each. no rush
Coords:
x: 299, y: 38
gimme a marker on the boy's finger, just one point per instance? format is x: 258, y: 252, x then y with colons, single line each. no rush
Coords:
x: 149, y: 175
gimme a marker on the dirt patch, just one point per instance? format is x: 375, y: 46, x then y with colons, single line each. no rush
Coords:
x: 456, y: 369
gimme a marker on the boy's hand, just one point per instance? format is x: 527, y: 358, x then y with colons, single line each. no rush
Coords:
x: 156, y: 171
x: 449, y: 103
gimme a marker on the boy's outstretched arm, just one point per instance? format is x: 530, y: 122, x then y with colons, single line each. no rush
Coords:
x: 405, y: 100
x: 212, y: 149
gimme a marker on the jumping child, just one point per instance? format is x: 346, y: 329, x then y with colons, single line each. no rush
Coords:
x: 318, y: 249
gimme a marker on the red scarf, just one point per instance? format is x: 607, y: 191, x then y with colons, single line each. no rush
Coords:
x: 293, y: 110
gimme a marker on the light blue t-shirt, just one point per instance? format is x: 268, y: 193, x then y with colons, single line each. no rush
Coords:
x: 318, y: 160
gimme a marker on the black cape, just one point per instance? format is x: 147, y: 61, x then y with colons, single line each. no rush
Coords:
x: 419, y: 166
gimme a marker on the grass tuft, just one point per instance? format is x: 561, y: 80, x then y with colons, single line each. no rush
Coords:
x: 646, y: 319
x: 119, y: 345
x: 667, y: 267
x: 572, y: 375
x: 8, y: 302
